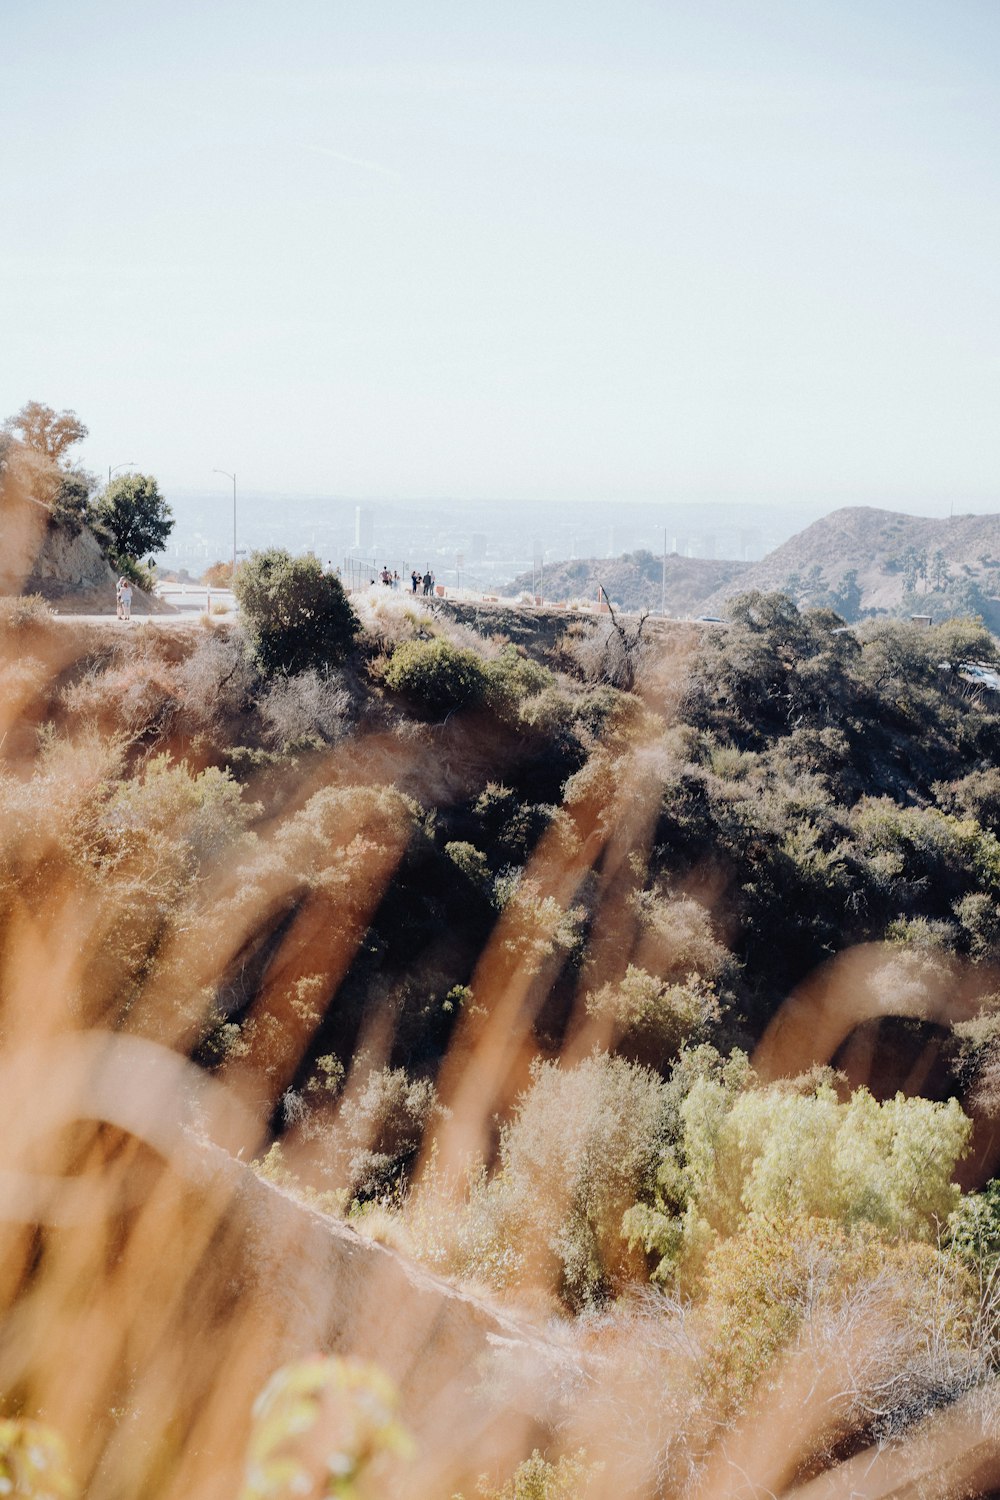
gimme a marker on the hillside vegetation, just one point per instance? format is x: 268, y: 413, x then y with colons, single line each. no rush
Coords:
x: 637, y: 580
x: 646, y: 984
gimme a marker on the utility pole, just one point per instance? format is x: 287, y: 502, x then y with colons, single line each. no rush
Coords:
x: 663, y: 576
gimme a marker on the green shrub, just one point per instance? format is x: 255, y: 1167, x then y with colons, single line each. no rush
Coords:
x: 295, y: 616
x: 175, y: 816
x: 471, y: 861
x: 309, y: 708
x: 436, y: 675
x: 676, y: 940
x: 924, y: 844
x: 776, y: 1277
x: 976, y: 795
x: 511, y: 681
x: 381, y: 1128
x: 536, y: 927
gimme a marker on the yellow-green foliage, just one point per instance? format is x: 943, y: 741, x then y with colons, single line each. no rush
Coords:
x: 324, y: 1428
x: 923, y: 842
x: 538, y: 1479
x: 34, y: 1462
x: 788, y: 1155
x: 763, y: 1284
x: 650, y: 1017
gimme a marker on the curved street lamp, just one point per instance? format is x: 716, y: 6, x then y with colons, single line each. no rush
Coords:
x: 233, y: 478
x: 114, y: 470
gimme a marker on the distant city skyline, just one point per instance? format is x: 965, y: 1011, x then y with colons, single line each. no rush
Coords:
x: 494, y: 543
x: 536, y: 253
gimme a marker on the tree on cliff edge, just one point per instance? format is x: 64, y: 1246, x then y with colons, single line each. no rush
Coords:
x: 36, y: 443
x: 45, y: 430
x: 132, y: 517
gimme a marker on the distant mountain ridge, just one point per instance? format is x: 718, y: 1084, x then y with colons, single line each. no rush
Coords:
x: 858, y: 560
x: 636, y: 580
x: 900, y: 564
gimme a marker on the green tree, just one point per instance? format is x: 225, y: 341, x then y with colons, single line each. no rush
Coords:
x: 940, y: 575
x: 295, y: 615
x: 71, y: 505
x: 132, y: 517
x: 846, y: 597
x: 914, y: 566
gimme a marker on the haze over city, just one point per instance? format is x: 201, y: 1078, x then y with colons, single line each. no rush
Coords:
x: 642, y: 254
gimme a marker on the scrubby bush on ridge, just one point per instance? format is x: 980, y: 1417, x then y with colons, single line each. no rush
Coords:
x: 295, y: 615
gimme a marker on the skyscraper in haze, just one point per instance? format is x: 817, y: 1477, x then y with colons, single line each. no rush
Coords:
x: 364, y: 528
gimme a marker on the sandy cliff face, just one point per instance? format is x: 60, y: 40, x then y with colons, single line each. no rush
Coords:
x: 71, y: 568
x: 70, y: 571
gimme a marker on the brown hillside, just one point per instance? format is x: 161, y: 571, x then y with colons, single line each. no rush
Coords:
x: 875, y: 543
x: 635, y: 580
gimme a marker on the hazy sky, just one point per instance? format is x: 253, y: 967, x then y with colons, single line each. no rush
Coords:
x: 525, y: 248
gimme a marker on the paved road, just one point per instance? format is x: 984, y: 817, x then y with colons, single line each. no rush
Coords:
x: 181, y: 621
x: 189, y: 602
x: 196, y: 598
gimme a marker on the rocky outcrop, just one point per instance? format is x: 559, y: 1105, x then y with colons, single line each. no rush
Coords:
x: 68, y: 570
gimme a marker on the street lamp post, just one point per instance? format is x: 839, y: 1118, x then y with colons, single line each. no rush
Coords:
x: 233, y: 478
x: 119, y: 466
x: 663, y: 576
